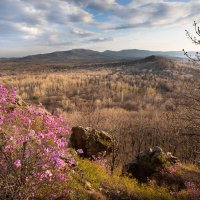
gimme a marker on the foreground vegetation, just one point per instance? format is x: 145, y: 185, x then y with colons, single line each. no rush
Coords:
x: 33, y: 150
x: 36, y: 163
x: 92, y: 181
x: 141, y: 104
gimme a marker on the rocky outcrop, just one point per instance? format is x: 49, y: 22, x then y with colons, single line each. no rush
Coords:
x: 148, y: 162
x: 91, y: 141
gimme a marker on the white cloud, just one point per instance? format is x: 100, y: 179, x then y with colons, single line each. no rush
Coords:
x: 32, y: 31
x: 101, y: 39
x: 78, y: 22
x: 82, y: 33
x: 154, y: 13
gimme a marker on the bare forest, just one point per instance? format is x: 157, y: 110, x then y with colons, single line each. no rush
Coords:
x: 144, y: 102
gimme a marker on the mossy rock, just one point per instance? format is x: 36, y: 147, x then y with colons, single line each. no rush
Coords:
x: 93, y: 142
x: 148, y: 162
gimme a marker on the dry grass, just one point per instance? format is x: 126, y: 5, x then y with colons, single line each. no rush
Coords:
x: 136, y: 104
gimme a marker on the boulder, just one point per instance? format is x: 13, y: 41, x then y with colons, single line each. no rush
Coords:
x: 94, y: 143
x: 148, y: 162
x: 19, y: 101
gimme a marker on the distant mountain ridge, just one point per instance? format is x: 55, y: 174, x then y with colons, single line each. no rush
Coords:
x: 143, y: 53
x: 90, y: 55
x: 74, y: 54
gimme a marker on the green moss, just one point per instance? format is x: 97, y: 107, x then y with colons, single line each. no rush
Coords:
x: 115, y: 186
x: 153, y: 192
x: 105, y: 142
x: 92, y: 172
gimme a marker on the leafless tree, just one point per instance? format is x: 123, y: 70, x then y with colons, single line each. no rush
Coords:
x: 196, y: 40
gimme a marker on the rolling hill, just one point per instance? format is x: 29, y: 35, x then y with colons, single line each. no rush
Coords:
x: 85, y: 56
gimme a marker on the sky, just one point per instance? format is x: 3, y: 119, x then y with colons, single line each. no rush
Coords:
x: 41, y: 26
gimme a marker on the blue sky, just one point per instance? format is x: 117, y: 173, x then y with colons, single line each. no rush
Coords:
x: 41, y: 26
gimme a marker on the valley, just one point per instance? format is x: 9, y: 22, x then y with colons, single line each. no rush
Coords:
x: 126, y: 98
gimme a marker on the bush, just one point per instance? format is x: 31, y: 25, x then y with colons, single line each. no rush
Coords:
x: 34, y: 158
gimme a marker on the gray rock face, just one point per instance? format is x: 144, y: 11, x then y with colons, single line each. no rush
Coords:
x: 91, y: 141
x: 148, y: 162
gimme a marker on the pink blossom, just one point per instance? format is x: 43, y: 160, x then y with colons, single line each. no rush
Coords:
x: 17, y: 163
x: 71, y: 161
x: 11, y: 138
x: 48, y: 173
x: 190, y: 185
x: 8, y: 148
x: 37, y: 138
x: 80, y: 151
x: 61, y: 177
x: 59, y: 163
x: 1, y: 120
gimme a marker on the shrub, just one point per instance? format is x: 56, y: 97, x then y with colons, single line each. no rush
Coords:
x: 34, y: 158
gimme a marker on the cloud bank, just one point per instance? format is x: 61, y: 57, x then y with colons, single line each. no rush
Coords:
x: 73, y: 23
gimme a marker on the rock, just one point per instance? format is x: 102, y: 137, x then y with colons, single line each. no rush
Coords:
x: 88, y: 185
x: 94, y: 195
x: 148, y: 162
x: 172, y: 158
x: 91, y: 141
x: 19, y: 101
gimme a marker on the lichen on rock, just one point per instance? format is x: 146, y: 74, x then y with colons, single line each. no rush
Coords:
x: 148, y: 162
x: 91, y: 141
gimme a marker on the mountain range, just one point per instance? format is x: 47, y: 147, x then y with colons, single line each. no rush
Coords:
x: 86, y: 55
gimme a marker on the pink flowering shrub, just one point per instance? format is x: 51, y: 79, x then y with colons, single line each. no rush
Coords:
x: 191, y: 192
x: 34, y: 157
x: 170, y: 176
x: 171, y: 170
x: 182, y: 182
